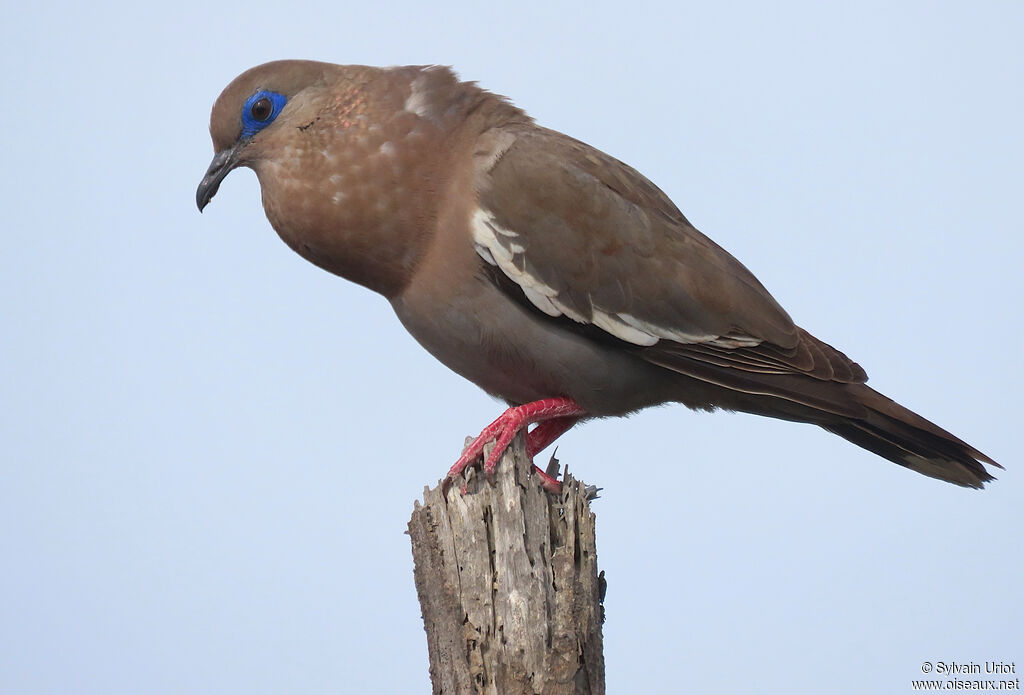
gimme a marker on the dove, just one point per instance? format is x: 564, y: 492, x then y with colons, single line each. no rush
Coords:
x: 550, y: 274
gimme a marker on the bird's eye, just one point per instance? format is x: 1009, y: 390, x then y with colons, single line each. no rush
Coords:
x: 262, y: 109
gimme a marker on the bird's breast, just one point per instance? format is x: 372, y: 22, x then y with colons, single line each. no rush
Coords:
x: 350, y: 210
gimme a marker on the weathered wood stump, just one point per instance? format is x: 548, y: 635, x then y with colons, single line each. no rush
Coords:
x: 508, y: 585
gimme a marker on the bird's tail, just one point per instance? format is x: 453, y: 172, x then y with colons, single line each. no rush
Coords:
x: 904, y: 437
x: 828, y: 390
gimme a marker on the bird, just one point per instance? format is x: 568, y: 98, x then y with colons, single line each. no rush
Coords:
x: 550, y: 274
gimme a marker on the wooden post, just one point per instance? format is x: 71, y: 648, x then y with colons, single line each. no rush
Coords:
x: 508, y: 585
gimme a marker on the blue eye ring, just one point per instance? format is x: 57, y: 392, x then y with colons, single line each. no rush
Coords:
x: 260, y: 110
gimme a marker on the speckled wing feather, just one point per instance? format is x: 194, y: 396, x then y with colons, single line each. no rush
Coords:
x: 587, y: 238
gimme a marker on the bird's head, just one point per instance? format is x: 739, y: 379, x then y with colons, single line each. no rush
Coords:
x: 269, y: 98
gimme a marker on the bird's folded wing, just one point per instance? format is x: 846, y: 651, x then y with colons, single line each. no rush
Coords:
x: 587, y: 238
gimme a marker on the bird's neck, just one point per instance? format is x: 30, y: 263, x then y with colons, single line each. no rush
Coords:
x: 362, y: 192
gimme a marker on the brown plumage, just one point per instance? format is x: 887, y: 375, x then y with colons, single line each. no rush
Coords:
x: 545, y: 271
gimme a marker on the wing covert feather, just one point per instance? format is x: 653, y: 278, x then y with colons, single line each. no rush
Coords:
x: 588, y: 237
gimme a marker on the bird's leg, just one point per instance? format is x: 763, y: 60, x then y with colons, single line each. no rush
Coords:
x: 538, y: 439
x: 556, y: 415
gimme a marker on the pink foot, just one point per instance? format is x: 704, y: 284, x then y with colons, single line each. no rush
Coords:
x: 556, y: 415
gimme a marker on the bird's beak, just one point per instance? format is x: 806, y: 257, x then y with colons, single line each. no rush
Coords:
x: 222, y: 164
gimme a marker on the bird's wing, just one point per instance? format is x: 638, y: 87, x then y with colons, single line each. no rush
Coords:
x: 586, y: 238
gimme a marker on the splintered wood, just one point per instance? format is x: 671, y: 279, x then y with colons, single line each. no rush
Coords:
x: 508, y: 585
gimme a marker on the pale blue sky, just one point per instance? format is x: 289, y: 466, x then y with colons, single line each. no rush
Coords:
x: 197, y: 425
